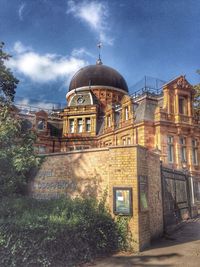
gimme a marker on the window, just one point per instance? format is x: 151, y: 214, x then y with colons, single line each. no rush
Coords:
x: 126, y: 113
x: 80, y: 125
x: 170, y: 146
x: 26, y: 125
x: 194, y: 152
x: 182, y: 105
x: 129, y: 141
x: 88, y: 125
x: 41, y: 125
x: 183, y: 149
x: 71, y: 126
x: 197, y: 190
x: 109, y: 120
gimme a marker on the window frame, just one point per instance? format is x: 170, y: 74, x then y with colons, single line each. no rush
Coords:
x: 170, y: 149
x: 182, y: 105
x: 80, y: 125
x: 109, y: 120
x: 126, y: 112
x: 183, y: 148
x: 88, y: 124
x: 43, y: 123
x: 194, y: 151
x: 71, y: 126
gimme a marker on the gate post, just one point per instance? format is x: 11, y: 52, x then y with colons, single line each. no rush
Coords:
x: 189, y: 188
x: 163, y: 197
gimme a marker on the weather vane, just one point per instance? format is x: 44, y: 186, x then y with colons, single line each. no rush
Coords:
x: 99, y: 45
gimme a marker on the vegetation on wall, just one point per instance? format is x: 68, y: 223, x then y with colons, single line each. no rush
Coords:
x: 60, y: 232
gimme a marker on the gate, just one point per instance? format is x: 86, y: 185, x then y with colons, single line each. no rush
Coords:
x: 175, y: 197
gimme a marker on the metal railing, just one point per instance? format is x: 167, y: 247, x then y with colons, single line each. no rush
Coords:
x: 147, y: 86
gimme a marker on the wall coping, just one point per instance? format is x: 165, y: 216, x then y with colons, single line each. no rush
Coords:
x: 90, y: 150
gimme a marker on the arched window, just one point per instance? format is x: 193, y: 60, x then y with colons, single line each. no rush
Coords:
x: 26, y: 125
x: 41, y: 125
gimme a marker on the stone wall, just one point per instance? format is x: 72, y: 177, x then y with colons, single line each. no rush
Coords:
x: 96, y: 172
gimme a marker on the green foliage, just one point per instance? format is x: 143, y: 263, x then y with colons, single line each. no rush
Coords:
x: 197, y: 98
x: 17, y: 157
x: 125, y: 240
x: 60, y: 232
x: 8, y: 82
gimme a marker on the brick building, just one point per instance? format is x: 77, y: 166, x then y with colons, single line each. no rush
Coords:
x: 109, y: 139
x: 101, y: 113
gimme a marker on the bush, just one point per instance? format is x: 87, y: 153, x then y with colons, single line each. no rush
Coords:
x: 56, y: 233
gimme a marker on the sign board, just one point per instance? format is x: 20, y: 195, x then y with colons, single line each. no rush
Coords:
x: 122, y: 200
x: 143, y: 193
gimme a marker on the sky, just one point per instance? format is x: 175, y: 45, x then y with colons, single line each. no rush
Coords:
x: 50, y: 40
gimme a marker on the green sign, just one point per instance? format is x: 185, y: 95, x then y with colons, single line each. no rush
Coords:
x: 143, y: 193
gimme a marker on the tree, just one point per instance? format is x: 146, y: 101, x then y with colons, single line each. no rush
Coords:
x: 17, y: 158
x: 197, y: 97
x: 8, y: 83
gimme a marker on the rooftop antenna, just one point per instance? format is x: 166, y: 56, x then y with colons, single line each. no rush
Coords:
x: 99, y: 45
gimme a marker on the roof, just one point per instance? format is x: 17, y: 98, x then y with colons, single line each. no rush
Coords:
x: 145, y: 110
x: 94, y: 75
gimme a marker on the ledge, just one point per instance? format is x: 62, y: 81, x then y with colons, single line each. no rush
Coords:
x: 89, y: 150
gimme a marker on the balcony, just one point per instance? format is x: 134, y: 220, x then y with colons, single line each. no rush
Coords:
x: 180, y: 118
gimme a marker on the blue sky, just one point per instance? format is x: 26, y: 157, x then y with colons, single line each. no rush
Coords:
x: 51, y: 39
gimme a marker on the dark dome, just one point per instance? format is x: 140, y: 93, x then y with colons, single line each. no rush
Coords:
x: 98, y: 75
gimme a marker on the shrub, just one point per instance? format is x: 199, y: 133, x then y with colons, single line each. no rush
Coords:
x: 56, y: 233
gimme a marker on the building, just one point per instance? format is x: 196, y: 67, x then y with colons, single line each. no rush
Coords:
x: 101, y: 113
x: 104, y: 124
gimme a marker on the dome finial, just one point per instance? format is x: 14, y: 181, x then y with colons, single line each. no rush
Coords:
x: 99, y: 62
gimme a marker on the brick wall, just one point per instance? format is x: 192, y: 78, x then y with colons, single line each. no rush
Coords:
x: 96, y: 171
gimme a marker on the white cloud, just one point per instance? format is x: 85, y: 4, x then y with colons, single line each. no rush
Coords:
x: 25, y: 104
x: 44, y: 68
x: 81, y: 52
x: 93, y: 13
x: 20, y: 11
x: 20, y: 48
